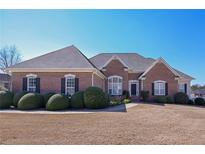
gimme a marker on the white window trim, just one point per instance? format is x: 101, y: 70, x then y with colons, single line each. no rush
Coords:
x: 115, y: 76
x: 137, y: 87
x: 159, y: 90
x: 31, y: 76
x: 180, y: 90
x: 69, y: 76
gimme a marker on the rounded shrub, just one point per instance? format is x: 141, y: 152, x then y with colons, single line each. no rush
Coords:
x: 6, y: 99
x: 191, y: 102
x: 144, y: 95
x: 57, y: 102
x: 18, y: 96
x: 77, y: 100
x: 126, y: 94
x: 181, y: 98
x: 161, y: 99
x: 30, y: 101
x: 47, y: 96
x: 95, y: 98
x: 199, y: 101
x: 107, y: 97
x: 170, y: 99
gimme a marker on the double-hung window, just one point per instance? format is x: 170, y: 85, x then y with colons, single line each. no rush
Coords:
x: 182, y: 88
x: 31, y: 83
x: 159, y: 88
x: 115, y: 85
x: 69, y: 84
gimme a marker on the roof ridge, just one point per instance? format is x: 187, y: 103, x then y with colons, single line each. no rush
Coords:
x: 43, y: 55
x: 85, y: 57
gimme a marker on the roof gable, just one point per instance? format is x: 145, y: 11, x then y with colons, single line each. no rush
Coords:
x: 114, y: 57
x: 68, y: 57
x: 132, y: 61
x: 174, y: 71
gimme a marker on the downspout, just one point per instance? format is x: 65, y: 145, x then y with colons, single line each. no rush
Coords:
x: 93, y: 79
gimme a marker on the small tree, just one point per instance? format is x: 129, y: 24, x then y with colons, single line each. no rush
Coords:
x: 9, y: 55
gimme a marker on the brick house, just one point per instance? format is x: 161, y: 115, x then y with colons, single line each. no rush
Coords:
x: 67, y: 70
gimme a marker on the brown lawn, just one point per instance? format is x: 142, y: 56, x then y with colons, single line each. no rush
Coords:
x: 143, y: 124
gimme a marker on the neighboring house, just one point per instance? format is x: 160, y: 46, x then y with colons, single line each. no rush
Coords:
x: 198, y: 93
x: 67, y: 70
x: 4, y: 80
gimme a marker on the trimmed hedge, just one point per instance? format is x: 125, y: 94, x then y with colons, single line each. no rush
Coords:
x: 181, y: 98
x: 47, y: 96
x: 161, y: 99
x: 18, y: 96
x: 30, y: 101
x: 77, y: 100
x: 144, y: 95
x: 95, y: 98
x: 170, y: 99
x: 6, y: 99
x: 126, y: 94
x: 199, y: 101
x: 190, y: 102
x: 57, y: 102
x: 107, y: 96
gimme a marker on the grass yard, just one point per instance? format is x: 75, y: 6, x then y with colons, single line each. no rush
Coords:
x: 142, y: 124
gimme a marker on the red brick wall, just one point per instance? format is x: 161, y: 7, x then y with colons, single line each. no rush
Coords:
x: 98, y: 82
x: 115, y: 67
x: 134, y: 76
x: 51, y: 81
x: 161, y: 72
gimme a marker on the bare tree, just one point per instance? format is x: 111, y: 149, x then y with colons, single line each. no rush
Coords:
x: 9, y: 55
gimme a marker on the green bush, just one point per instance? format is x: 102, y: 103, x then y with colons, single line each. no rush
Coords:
x: 17, y: 97
x: 199, y: 101
x: 170, y: 99
x: 47, y: 96
x: 181, y: 98
x: 95, y: 98
x: 57, y: 102
x: 107, y: 96
x: 126, y: 101
x: 161, y: 99
x: 77, y: 100
x: 126, y: 94
x: 30, y: 101
x: 190, y: 102
x: 115, y: 101
x: 144, y: 95
x: 6, y: 99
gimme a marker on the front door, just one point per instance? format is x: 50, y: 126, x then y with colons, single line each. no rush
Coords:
x: 134, y: 87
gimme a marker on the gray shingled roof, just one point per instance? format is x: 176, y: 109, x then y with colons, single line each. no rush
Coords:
x: 68, y: 57
x: 134, y: 61
x: 183, y: 74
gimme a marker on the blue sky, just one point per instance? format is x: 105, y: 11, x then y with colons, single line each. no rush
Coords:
x: 176, y: 35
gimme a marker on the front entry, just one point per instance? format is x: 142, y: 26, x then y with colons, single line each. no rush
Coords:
x: 134, y: 87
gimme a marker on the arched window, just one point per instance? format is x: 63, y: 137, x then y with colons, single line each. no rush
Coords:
x: 159, y: 88
x: 69, y: 84
x: 31, y: 82
x: 115, y: 85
